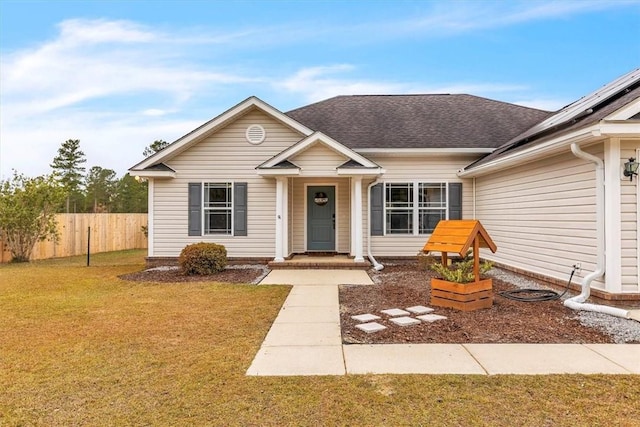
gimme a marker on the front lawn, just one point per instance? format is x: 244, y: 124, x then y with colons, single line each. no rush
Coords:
x: 78, y: 346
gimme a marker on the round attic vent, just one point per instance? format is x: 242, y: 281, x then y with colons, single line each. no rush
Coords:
x: 255, y: 134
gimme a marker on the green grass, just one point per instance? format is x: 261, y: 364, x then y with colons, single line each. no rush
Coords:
x: 78, y: 346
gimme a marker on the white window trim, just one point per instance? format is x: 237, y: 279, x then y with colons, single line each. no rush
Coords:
x: 203, y: 216
x: 416, y: 205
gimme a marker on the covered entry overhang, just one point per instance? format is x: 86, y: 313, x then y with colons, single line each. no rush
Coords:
x: 319, y: 197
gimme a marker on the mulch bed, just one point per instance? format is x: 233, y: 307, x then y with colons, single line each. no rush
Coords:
x: 405, y: 285
x: 508, y: 321
x: 229, y: 275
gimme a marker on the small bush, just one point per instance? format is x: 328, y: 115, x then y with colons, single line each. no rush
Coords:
x: 203, y: 258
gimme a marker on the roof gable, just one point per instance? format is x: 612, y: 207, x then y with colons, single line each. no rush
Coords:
x: 315, y: 138
x: 186, y: 141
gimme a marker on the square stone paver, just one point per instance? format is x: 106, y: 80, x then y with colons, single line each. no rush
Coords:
x: 405, y: 321
x: 371, y: 327
x: 365, y: 317
x: 395, y: 312
x: 420, y: 309
x: 431, y: 317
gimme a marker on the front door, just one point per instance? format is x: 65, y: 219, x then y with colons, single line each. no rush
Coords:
x: 321, y: 218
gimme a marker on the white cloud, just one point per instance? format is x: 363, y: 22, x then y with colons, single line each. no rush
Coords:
x: 315, y: 83
x: 322, y: 82
x: 104, y: 82
x: 455, y: 17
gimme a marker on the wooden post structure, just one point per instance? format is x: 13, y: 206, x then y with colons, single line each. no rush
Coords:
x: 458, y: 236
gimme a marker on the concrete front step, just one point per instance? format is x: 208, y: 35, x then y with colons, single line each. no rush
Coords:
x: 325, y: 261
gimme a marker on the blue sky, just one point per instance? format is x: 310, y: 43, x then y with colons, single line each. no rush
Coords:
x: 120, y: 74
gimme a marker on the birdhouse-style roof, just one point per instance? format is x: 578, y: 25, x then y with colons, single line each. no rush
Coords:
x: 458, y: 236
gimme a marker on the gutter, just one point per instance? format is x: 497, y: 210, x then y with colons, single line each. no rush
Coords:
x: 376, y: 265
x: 578, y: 302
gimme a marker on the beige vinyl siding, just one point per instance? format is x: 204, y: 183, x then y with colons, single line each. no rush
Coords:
x: 541, y: 215
x: 422, y: 169
x: 343, y: 212
x: 318, y: 160
x: 629, y: 221
x: 225, y: 156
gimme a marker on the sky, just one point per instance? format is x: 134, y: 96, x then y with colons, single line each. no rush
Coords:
x: 118, y: 75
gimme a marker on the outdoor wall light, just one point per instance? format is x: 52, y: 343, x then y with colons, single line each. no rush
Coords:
x: 631, y: 168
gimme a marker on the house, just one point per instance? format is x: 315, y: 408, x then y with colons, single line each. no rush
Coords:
x: 370, y: 176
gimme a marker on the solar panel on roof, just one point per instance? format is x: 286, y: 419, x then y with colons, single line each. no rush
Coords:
x: 589, y: 101
x: 582, y: 106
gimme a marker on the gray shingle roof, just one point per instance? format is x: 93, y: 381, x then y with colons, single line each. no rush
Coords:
x: 417, y: 121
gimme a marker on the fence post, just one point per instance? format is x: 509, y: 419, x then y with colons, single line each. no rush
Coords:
x: 88, y: 246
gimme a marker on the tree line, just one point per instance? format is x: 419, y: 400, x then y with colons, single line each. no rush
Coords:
x: 28, y: 205
x: 98, y: 190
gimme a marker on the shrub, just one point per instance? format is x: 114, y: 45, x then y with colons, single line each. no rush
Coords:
x: 203, y: 258
x: 460, y: 271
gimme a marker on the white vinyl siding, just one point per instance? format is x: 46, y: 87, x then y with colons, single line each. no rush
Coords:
x: 541, y: 215
x: 318, y: 160
x: 428, y: 169
x: 630, y: 259
x: 226, y: 156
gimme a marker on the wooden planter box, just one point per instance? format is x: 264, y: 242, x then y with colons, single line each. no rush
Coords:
x: 462, y: 296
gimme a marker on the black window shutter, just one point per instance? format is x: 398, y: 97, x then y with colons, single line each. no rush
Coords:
x: 240, y: 209
x: 195, y: 209
x: 455, y: 200
x: 377, y: 210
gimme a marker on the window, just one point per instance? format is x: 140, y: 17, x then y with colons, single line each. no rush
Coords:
x: 218, y: 208
x: 405, y: 216
x: 432, y: 206
x: 399, y: 207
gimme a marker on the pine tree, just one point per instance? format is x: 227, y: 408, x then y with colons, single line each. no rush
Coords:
x: 67, y: 166
x: 131, y: 195
x: 100, y: 187
x: 154, y: 147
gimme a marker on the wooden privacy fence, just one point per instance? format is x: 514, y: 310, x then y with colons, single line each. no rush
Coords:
x: 109, y: 232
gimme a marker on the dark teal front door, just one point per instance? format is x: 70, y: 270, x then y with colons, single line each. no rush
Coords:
x: 321, y: 218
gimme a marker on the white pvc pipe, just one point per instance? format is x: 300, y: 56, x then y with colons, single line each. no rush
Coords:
x: 376, y: 265
x: 578, y: 302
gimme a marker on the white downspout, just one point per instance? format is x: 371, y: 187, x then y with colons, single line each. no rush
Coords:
x: 578, y: 302
x: 376, y: 265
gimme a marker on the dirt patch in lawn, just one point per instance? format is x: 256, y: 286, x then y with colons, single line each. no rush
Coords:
x: 402, y: 286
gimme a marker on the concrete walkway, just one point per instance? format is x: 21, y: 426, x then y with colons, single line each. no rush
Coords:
x: 305, y: 340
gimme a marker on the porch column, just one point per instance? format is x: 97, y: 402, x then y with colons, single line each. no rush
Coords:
x: 356, y: 211
x: 150, y: 218
x: 281, y: 218
x: 612, y: 224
